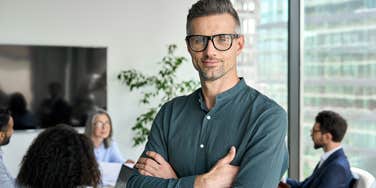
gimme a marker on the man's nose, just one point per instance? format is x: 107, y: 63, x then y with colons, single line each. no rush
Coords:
x: 210, y: 49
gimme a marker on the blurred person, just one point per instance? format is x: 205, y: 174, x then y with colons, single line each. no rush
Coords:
x: 83, y: 106
x: 23, y: 118
x: 6, y: 131
x: 86, y: 101
x: 98, y: 87
x: 99, y: 128
x: 59, y: 157
x: 3, y: 98
x: 54, y: 109
x: 333, y: 170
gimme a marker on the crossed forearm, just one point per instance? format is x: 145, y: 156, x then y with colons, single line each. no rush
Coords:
x: 221, y: 175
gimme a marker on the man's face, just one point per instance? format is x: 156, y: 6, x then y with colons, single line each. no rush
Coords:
x: 5, y: 136
x: 211, y: 63
x: 317, y: 136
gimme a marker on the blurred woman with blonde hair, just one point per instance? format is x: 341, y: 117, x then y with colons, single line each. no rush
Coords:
x: 99, y: 129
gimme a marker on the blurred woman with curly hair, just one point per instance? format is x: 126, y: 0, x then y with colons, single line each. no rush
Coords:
x: 59, y: 157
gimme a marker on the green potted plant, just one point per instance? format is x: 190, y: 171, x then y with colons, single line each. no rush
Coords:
x: 161, y: 87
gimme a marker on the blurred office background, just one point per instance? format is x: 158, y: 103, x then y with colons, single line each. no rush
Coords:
x: 338, y: 63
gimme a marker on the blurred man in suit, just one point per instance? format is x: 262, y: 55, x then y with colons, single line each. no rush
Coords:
x: 6, y: 131
x: 333, y: 170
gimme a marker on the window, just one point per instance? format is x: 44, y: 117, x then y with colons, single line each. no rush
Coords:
x: 344, y: 31
x: 338, y: 72
x: 263, y: 62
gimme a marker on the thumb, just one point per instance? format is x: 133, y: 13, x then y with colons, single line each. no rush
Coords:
x: 229, y: 157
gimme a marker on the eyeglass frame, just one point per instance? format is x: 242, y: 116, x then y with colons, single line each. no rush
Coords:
x: 102, y: 124
x: 210, y: 38
x: 313, y: 131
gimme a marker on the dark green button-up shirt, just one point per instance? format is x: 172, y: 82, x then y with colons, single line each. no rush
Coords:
x: 192, y: 138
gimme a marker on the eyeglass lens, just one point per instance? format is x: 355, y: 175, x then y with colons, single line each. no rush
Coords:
x: 221, y: 42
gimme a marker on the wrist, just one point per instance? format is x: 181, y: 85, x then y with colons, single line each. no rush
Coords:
x: 201, y: 181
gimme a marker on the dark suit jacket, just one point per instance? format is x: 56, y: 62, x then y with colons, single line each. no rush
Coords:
x: 333, y: 173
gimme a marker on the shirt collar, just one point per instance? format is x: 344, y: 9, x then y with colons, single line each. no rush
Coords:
x: 327, y: 154
x: 224, y: 96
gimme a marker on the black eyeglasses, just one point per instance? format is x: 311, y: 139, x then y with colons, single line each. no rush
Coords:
x: 101, y: 124
x: 313, y: 131
x: 221, y: 42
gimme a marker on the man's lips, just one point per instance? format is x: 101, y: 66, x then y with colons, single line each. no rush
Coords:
x: 210, y: 62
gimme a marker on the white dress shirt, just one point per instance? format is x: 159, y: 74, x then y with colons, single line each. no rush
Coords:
x: 327, y: 154
x: 6, y: 180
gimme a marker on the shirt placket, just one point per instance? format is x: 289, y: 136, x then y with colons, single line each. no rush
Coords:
x: 201, y: 147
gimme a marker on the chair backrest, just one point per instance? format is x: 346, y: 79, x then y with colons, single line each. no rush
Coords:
x: 374, y: 184
x: 354, y: 181
x: 364, y: 178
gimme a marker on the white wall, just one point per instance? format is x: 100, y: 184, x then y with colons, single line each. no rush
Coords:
x: 135, y: 32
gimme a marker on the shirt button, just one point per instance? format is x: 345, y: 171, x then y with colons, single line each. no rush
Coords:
x: 208, y: 117
x: 201, y: 145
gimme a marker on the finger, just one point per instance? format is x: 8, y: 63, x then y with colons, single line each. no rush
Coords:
x: 141, y: 163
x: 234, y: 169
x: 229, y: 157
x: 129, y: 161
x: 142, y: 160
x: 232, y: 172
x: 148, y: 164
x: 144, y: 172
x: 139, y: 166
x: 156, y: 157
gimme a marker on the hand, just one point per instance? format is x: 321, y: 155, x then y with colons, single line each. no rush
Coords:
x: 221, y: 175
x: 283, y: 185
x: 155, y: 166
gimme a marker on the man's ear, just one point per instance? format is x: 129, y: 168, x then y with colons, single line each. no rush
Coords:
x: 240, y: 44
x: 328, y: 137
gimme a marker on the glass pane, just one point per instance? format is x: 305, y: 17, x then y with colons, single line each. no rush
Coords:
x: 339, y: 74
x: 263, y: 62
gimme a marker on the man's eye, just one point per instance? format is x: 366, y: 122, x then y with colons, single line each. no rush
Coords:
x: 198, y: 40
x: 222, y: 38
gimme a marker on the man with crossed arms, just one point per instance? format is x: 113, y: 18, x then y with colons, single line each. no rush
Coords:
x: 225, y: 134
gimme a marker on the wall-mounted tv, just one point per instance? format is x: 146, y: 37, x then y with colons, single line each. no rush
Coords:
x: 46, y: 85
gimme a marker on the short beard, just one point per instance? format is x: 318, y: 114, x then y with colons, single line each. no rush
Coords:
x: 317, y: 146
x: 205, y: 77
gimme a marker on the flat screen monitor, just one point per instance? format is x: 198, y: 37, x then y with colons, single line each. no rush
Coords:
x: 46, y: 85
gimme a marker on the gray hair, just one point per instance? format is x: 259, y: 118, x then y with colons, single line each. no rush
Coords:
x: 211, y: 7
x: 89, y: 127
